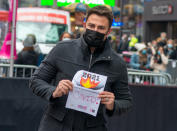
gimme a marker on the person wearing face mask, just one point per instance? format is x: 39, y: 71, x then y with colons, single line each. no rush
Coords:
x: 169, y: 48
x: 162, y: 40
x: 140, y: 60
x: 90, y: 52
x: 65, y: 36
x: 159, y: 61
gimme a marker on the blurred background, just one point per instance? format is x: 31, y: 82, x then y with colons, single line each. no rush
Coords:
x: 144, y: 34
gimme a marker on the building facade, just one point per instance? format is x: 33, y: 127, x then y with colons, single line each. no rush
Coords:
x: 160, y: 16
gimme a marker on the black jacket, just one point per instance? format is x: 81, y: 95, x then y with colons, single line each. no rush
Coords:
x: 26, y: 57
x: 63, y: 62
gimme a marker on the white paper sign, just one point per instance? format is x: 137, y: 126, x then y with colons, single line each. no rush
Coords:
x: 84, y: 96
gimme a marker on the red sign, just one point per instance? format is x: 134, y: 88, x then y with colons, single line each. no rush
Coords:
x: 4, y: 15
x: 170, y: 9
x: 42, y: 17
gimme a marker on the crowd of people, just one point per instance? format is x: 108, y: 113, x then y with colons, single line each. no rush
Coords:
x: 151, y: 56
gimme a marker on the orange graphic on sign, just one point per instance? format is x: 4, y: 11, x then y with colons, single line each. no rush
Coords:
x: 87, y: 83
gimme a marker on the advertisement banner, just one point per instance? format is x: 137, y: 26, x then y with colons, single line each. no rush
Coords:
x: 6, y: 47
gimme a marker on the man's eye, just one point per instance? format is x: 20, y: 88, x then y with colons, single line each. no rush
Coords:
x: 101, y: 28
x: 91, y: 26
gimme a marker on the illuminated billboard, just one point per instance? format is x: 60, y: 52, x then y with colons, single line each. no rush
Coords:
x: 90, y: 3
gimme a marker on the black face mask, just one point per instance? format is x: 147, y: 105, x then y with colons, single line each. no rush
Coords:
x: 94, y: 38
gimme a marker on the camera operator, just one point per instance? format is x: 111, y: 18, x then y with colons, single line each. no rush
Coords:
x: 159, y: 61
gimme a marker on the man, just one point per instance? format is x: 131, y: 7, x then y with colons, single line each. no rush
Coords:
x: 123, y: 46
x: 91, y: 52
x: 28, y: 56
x: 162, y: 40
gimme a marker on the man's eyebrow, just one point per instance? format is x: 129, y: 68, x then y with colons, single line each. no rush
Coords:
x: 101, y: 26
x: 90, y: 24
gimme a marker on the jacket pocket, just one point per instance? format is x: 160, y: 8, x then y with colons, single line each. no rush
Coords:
x: 95, y: 121
x: 56, y: 113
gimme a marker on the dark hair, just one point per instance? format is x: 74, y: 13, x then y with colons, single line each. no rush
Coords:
x: 33, y: 37
x: 101, y: 11
x: 64, y: 34
x: 30, y: 40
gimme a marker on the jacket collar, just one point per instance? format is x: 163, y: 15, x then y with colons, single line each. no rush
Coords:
x: 104, y: 53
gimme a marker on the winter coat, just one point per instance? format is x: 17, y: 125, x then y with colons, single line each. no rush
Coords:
x: 135, y: 62
x: 159, y: 67
x: 26, y: 57
x: 62, y: 63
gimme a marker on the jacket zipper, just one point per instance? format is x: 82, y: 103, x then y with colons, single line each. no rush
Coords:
x: 101, y: 59
x: 90, y: 62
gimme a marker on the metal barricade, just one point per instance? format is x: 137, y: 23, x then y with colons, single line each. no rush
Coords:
x: 23, y: 71
x: 134, y: 76
x: 148, y: 77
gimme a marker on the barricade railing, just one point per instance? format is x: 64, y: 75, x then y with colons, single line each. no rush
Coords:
x: 171, y: 68
x: 23, y: 71
x: 134, y: 76
x: 148, y: 77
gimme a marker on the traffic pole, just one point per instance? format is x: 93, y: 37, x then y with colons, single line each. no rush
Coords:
x: 13, y: 38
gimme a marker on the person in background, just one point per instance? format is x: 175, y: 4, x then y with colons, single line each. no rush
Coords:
x: 123, y: 46
x: 154, y: 44
x: 169, y: 48
x: 152, y: 47
x: 159, y: 61
x: 173, y: 55
x: 140, y: 60
x: 92, y: 52
x: 65, y: 36
x: 132, y: 42
x: 113, y: 41
x: 162, y: 40
x: 28, y: 56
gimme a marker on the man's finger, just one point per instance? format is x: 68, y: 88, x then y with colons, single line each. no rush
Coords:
x: 63, y: 91
x: 69, y: 82
x: 105, y: 93
x: 68, y: 86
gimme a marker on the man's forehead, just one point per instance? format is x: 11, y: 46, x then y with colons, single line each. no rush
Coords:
x: 97, y: 20
x: 96, y: 24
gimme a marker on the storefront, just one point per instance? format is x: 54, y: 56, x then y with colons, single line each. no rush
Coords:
x: 160, y: 16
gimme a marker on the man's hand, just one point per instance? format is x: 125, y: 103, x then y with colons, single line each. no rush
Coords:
x: 107, y: 98
x: 63, y: 87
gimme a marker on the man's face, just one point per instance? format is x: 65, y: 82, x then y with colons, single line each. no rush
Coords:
x: 98, y: 23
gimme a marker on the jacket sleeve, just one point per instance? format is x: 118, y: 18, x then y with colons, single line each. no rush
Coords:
x: 148, y: 62
x: 43, y: 76
x: 19, y: 59
x: 123, y: 97
x: 133, y: 62
x: 164, y: 59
